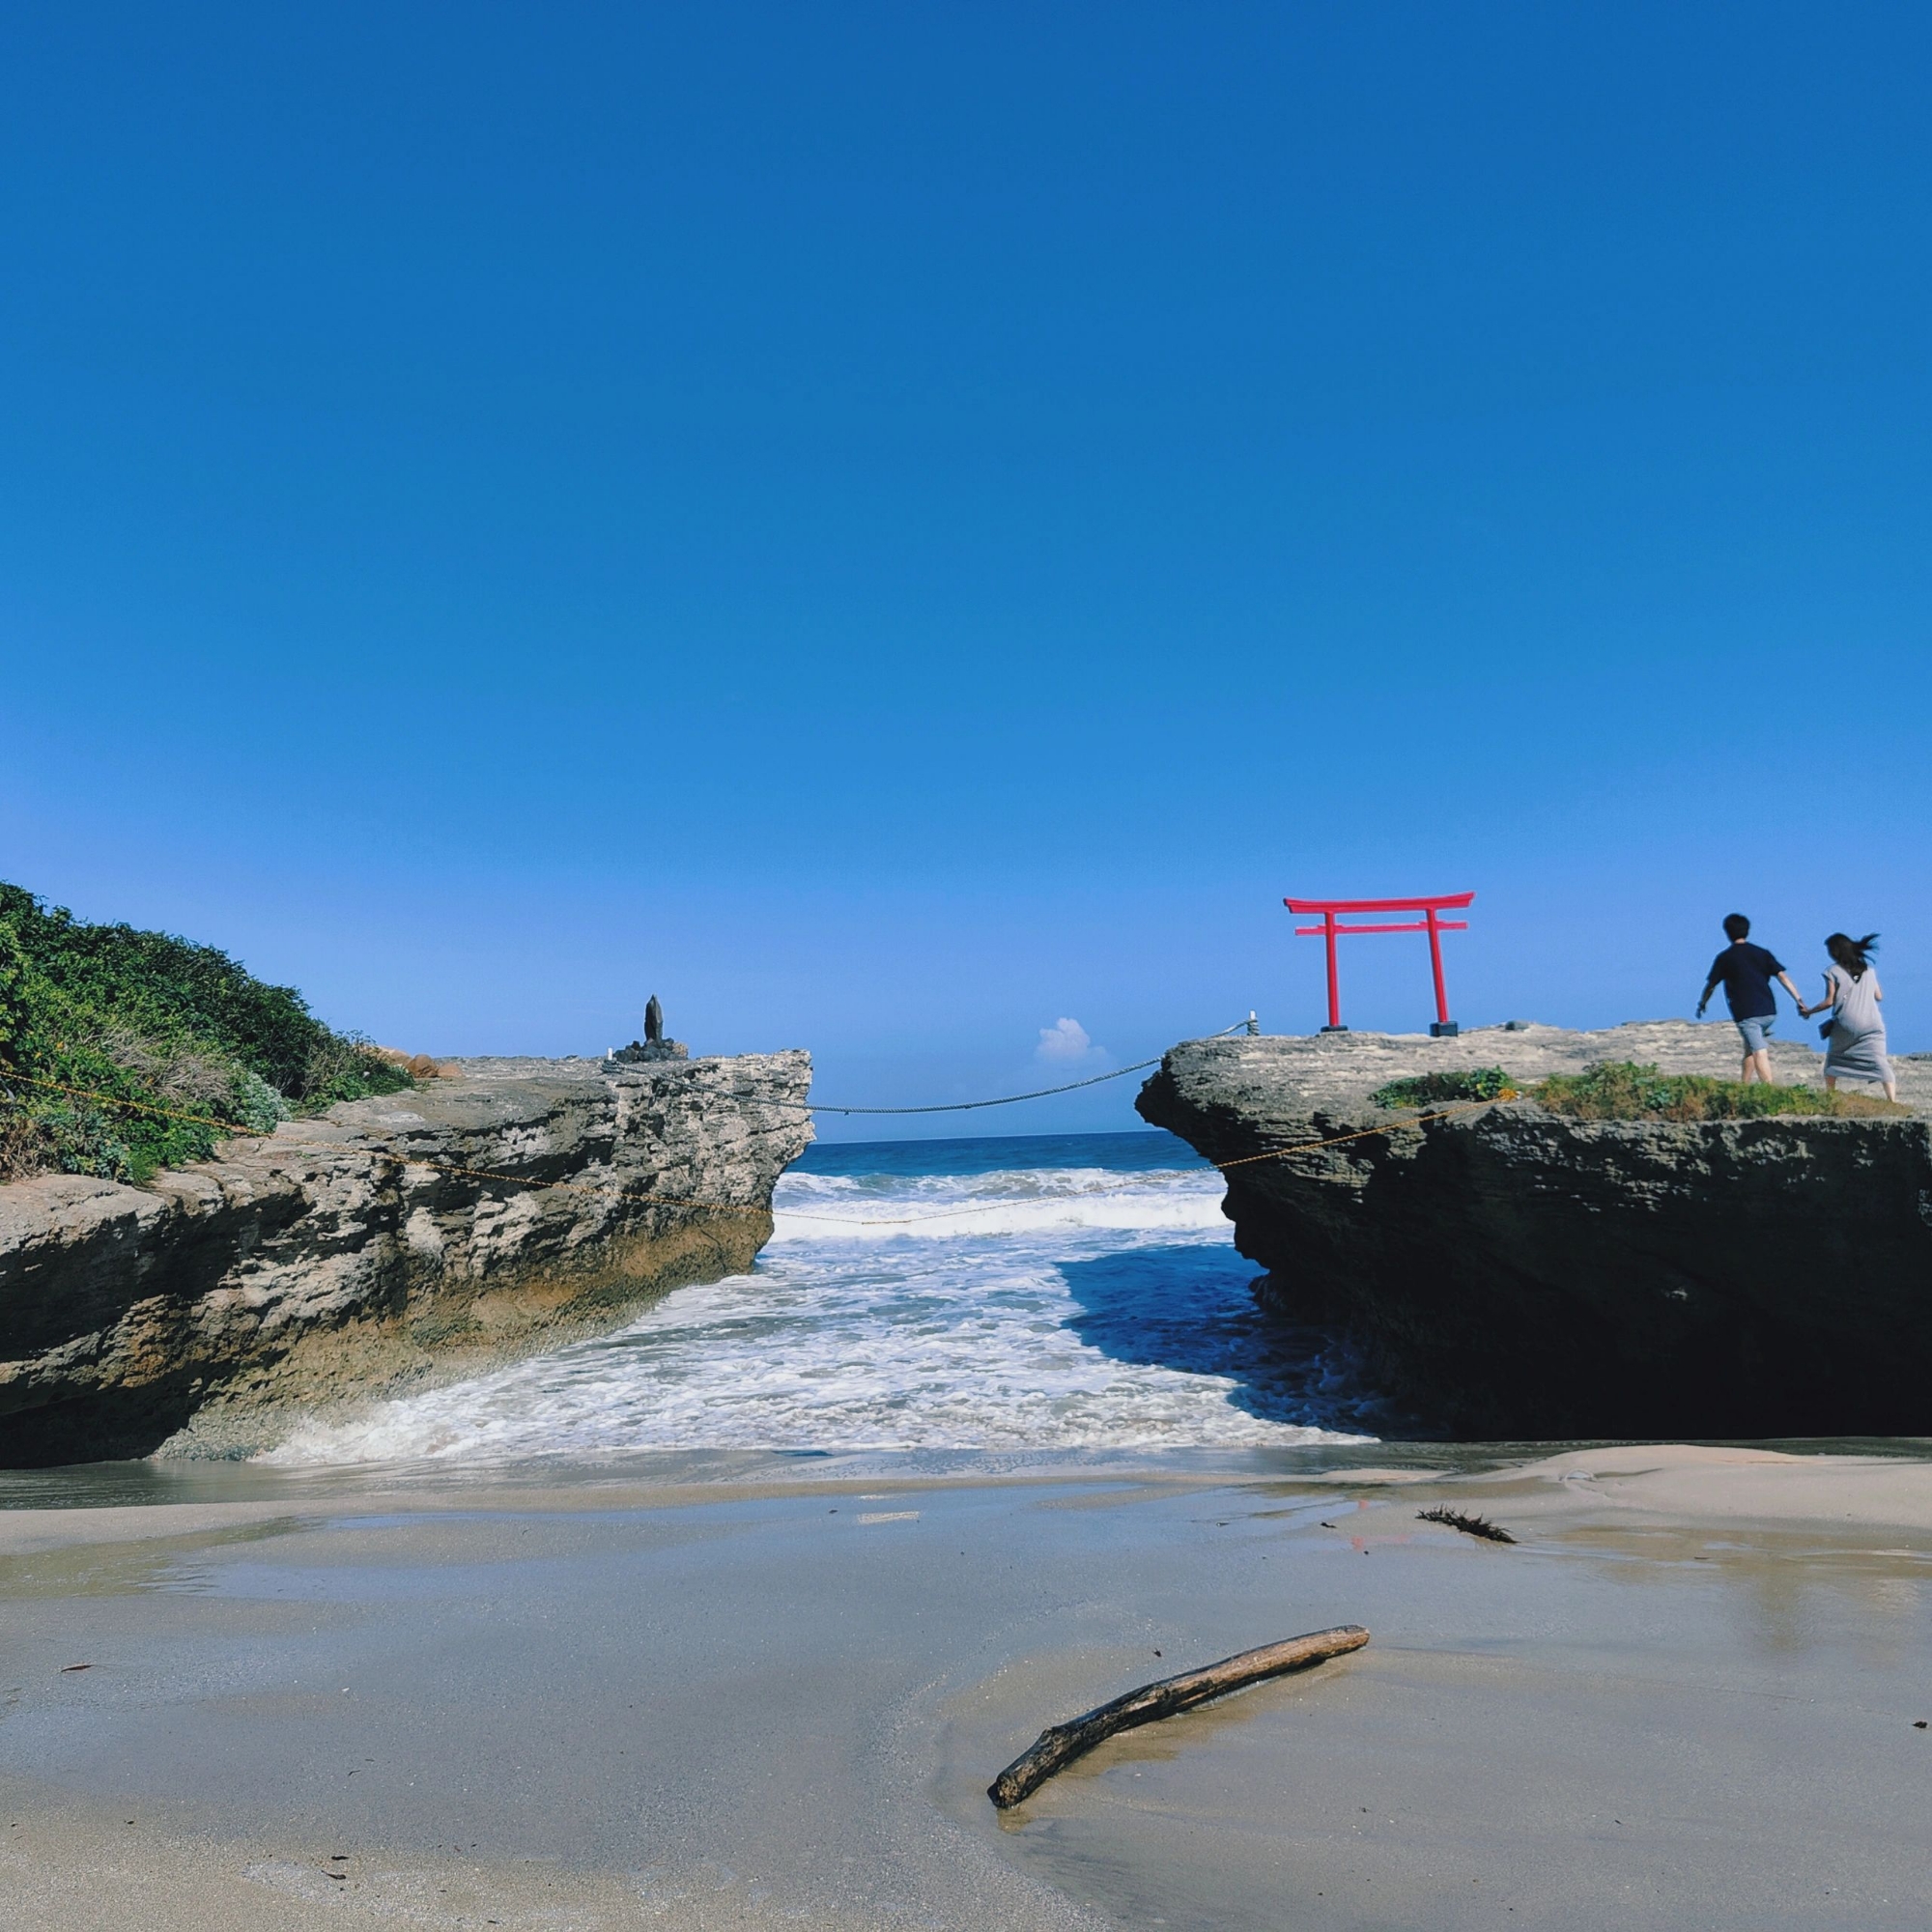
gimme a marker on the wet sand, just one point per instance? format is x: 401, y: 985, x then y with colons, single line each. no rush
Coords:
x: 770, y: 1692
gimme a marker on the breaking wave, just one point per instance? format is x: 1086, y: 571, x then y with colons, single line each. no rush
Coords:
x: 1070, y: 1298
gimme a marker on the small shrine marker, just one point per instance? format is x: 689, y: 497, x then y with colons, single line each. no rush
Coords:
x: 1442, y: 1027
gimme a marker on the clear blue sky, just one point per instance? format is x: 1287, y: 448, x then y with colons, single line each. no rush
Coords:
x: 892, y: 525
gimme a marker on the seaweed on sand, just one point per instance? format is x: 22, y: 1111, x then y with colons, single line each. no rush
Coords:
x: 1469, y: 1525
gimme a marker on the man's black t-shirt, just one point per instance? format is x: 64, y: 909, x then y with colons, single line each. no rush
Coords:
x: 1746, y: 970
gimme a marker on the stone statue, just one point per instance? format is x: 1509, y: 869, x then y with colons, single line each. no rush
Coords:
x: 654, y: 1045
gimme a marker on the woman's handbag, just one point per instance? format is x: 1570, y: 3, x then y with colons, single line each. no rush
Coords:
x: 1825, y: 1031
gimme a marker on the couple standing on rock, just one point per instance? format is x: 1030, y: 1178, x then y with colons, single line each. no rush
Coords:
x: 1855, y: 1035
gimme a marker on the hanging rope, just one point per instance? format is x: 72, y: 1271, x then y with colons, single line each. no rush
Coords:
x: 1003, y: 1100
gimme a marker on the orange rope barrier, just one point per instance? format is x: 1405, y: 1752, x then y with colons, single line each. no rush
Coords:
x: 1362, y: 1134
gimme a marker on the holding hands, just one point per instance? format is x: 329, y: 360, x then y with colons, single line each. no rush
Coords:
x: 1805, y: 1012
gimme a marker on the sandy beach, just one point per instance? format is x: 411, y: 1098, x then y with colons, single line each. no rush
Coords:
x: 766, y: 1690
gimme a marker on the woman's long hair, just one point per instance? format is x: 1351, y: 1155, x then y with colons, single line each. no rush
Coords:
x: 1852, y: 953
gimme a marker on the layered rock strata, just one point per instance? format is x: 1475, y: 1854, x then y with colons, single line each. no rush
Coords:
x: 387, y: 1243
x: 1509, y: 1272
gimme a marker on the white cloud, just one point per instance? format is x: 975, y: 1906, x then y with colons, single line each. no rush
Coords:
x: 1064, y: 1041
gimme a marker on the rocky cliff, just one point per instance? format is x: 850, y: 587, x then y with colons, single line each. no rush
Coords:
x: 1511, y: 1272
x: 390, y: 1242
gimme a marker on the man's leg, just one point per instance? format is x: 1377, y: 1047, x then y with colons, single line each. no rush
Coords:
x: 1761, y: 1060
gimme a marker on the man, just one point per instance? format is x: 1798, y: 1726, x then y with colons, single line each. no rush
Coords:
x: 1748, y: 971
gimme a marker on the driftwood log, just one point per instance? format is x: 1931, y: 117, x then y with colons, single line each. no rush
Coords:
x: 1061, y: 1744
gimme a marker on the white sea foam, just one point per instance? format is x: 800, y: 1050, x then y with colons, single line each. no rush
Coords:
x: 1014, y: 1201
x: 1072, y: 1308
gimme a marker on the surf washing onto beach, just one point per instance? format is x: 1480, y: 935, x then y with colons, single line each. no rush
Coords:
x: 1032, y: 1294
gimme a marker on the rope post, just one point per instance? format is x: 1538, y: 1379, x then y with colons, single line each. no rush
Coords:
x: 1254, y: 1025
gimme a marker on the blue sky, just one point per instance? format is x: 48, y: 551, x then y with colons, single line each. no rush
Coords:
x: 896, y: 525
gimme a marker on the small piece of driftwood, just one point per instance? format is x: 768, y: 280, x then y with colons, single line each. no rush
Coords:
x: 1061, y: 1744
x: 1469, y: 1525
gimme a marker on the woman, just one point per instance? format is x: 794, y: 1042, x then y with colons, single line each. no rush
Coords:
x: 1854, y: 1048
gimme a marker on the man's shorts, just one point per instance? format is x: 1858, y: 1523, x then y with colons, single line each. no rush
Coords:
x: 1757, y: 1032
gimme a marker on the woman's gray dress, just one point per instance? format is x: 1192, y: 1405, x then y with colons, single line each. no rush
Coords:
x: 1856, y: 1049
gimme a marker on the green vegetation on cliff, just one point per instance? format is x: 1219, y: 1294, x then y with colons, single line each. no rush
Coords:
x: 1463, y: 1082
x: 1619, y: 1089
x: 147, y: 1018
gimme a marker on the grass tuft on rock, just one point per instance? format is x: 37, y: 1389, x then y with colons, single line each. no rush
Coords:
x: 1467, y: 1083
x: 149, y: 1018
x: 1620, y: 1090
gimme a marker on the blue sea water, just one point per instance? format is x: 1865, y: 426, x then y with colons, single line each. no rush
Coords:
x: 1144, y: 1150
x: 1042, y: 1293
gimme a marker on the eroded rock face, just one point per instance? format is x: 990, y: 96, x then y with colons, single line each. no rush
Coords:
x: 1510, y: 1272
x: 318, y: 1264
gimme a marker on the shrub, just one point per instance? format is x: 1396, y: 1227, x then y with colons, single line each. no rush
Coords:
x: 1470, y: 1083
x: 1619, y: 1089
x: 190, y: 1044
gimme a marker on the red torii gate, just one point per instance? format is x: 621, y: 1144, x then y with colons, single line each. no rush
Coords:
x: 1443, y: 1027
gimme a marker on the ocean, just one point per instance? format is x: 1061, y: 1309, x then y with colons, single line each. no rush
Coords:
x: 1035, y: 1294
